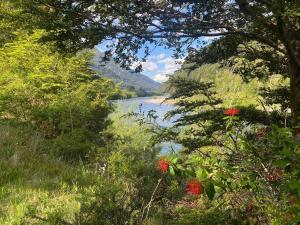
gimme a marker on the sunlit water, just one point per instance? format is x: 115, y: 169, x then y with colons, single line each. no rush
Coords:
x: 145, y: 104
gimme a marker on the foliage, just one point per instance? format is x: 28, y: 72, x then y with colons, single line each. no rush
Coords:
x: 33, y: 187
x: 112, y: 189
x: 13, y: 19
x: 250, y: 174
x: 62, y: 97
x: 131, y: 159
x: 55, y: 110
x: 270, y: 23
x: 267, y: 32
x: 235, y: 154
x: 201, y: 97
x: 65, y: 160
x: 252, y: 61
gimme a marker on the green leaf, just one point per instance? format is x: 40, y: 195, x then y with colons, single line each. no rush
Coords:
x: 210, y: 190
x: 180, y: 167
x: 190, y: 172
x: 282, y: 163
x: 201, y: 173
x: 172, y: 171
x: 175, y: 160
x: 287, y: 153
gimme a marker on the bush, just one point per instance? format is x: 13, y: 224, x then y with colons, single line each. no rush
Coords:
x: 60, y: 96
x: 39, y: 188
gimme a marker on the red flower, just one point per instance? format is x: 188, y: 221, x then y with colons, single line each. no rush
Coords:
x: 163, y: 165
x: 194, y: 187
x: 232, y: 112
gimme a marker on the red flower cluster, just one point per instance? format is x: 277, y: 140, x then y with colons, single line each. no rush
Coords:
x: 194, y: 187
x: 232, y: 112
x: 163, y: 165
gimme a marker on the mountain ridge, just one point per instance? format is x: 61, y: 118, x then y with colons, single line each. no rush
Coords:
x: 132, y: 81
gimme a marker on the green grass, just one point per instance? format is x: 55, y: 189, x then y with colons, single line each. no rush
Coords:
x: 33, y: 184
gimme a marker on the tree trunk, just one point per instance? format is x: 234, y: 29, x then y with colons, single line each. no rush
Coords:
x: 294, y: 71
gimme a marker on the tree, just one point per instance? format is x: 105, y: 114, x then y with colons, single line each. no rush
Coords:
x: 271, y: 23
x: 12, y: 19
x: 268, y: 30
x: 245, y: 156
x: 72, y: 25
x: 61, y: 97
x: 250, y: 59
x: 175, y: 23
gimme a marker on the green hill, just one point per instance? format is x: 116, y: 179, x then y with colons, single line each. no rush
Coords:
x: 132, y: 81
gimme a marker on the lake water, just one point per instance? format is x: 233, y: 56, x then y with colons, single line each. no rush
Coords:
x: 145, y: 104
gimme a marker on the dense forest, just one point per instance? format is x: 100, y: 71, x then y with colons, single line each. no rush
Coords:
x: 68, y: 156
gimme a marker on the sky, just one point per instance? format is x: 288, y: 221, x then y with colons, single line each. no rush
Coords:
x: 158, y: 65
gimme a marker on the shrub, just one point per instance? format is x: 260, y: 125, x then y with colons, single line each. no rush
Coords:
x: 60, y: 96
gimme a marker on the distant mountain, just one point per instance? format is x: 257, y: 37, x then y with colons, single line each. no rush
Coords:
x: 137, y: 82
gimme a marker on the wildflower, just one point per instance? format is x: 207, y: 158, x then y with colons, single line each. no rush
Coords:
x: 194, y: 187
x: 163, y: 165
x: 232, y: 112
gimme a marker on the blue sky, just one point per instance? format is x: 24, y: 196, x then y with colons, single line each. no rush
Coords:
x: 158, y: 65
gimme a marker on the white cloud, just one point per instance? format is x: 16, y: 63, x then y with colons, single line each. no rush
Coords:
x: 160, y: 78
x: 157, y: 57
x: 160, y: 66
x: 166, y: 60
x: 170, y: 65
x: 149, y: 66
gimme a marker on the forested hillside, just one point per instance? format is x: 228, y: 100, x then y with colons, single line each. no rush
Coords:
x: 130, y: 80
x: 69, y: 156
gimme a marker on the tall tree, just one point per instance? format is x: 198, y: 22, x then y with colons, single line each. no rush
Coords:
x: 175, y: 23
x: 275, y: 24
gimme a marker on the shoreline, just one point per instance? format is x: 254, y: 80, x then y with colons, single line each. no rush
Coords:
x: 159, y: 100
